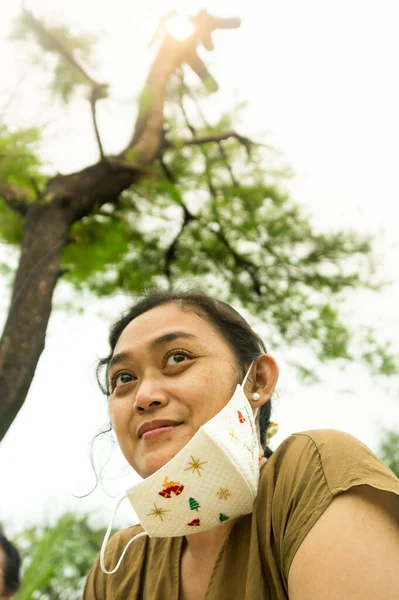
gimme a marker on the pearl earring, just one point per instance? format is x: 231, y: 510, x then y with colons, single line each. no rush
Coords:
x: 255, y: 397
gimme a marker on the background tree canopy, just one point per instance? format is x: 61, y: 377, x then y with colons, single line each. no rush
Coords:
x: 187, y: 201
x: 194, y: 200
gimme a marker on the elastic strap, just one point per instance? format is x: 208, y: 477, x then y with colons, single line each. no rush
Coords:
x: 106, y: 538
x: 246, y: 376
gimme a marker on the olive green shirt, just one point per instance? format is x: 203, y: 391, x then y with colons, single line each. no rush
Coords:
x: 296, y: 486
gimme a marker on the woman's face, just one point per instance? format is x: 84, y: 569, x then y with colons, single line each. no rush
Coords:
x: 170, y: 373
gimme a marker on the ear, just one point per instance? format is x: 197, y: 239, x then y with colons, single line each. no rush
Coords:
x: 262, y: 379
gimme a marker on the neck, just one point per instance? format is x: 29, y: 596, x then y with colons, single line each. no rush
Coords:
x: 209, y: 543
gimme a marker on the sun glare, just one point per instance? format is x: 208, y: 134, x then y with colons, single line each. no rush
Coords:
x: 180, y: 27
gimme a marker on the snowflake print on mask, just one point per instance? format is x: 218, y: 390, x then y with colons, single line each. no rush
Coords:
x: 158, y: 512
x: 195, y: 465
x: 223, y: 494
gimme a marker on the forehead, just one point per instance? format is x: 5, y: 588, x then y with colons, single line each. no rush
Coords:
x: 165, y: 319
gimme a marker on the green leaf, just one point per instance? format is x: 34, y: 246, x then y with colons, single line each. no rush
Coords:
x: 66, y: 49
x: 19, y: 161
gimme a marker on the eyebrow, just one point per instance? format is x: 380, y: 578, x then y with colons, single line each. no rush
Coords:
x: 154, y: 345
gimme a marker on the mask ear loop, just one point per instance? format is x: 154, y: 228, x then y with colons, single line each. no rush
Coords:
x: 255, y: 412
x: 247, y: 375
x: 106, y: 538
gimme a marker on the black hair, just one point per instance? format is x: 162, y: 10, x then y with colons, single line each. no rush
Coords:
x: 245, y: 344
x: 12, y: 564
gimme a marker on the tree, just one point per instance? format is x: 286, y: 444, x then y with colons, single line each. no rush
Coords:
x: 389, y: 450
x: 186, y: 200
x: 56, y: 560
x: 194, y: 504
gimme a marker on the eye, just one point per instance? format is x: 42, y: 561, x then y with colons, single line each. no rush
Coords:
x: 176, y: 357
x: 120, y: 379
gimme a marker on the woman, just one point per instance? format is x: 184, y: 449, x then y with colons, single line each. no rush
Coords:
x: 10, y: 563
x: 325, y: 521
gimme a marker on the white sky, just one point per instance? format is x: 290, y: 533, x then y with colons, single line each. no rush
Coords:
x: 321, y: 81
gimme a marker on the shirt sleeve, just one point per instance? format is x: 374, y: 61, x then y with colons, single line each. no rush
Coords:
x: 312, y: 468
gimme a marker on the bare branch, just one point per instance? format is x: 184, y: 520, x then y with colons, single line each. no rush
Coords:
x: 207, y: 139
x: 202, y: 116
x: 11, y: 97
x: 55, y: 44
x: 171, y: 251
x: 15, y: 197
x: 187, y: 218
x: 99, y: 90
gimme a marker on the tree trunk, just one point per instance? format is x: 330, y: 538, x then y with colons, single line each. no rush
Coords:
x: 45, y: 234
x: 67, y: 199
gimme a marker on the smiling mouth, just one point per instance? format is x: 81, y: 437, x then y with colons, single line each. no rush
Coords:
x: 158, y: 431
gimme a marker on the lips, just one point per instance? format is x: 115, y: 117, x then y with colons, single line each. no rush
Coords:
x: 156, y: 424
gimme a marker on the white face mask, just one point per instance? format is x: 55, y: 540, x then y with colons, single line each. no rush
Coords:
x: 213, y: 479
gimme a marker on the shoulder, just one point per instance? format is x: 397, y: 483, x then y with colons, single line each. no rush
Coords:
x: 325, y: 442
x: 341, y: 459
x: 352, y: 551
x: 98, y: 584
x: 303, y: 477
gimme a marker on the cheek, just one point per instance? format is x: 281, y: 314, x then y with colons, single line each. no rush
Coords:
x: 120, y: 416
x: 206, y: 399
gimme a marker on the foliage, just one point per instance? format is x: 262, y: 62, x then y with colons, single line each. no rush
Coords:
x: 215, y: 215
x: 389, y: 450
x: 20, y: 166
x: 19, y: 162
x: 56, y: 560
x: 11, y: 225
x: 62, y: 46
x: 379, y: 356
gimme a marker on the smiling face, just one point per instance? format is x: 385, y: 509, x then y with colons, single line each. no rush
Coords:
x: 170, y: 373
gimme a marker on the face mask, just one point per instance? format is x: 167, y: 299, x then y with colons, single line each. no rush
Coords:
x: 213, y: 479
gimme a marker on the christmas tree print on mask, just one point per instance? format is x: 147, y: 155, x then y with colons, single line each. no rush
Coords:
x: 223, y: 517
x: 171, y: 487
x: 194, y: 505
x: 217, y: 469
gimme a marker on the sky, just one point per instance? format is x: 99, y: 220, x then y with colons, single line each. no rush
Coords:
x: 321, y: 84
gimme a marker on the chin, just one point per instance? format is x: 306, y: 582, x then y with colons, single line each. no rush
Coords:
x: 156, y: 460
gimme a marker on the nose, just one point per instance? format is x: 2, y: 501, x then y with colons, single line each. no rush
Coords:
x: 149, y: 396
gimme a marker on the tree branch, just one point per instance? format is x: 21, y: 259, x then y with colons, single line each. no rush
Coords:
x: 54, y: 44
x: 202, y: 116
x: 170, y: 253
x: 147, y: 138
x: 207, y: 139
x: 187, y: 218
x: 240, y: 261
x: 168, y: 173
x: 99, y: 90
x: 16, y: 198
